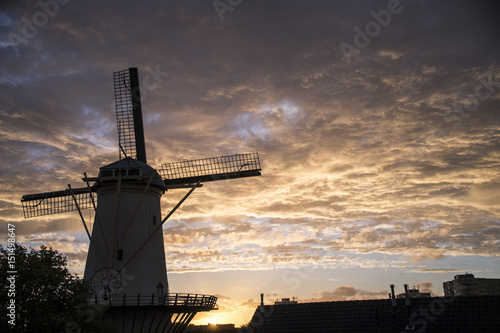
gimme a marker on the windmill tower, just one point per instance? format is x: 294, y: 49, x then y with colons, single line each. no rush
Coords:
x: 126, y: 258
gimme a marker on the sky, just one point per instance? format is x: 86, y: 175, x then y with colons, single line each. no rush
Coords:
x: 377, y: 124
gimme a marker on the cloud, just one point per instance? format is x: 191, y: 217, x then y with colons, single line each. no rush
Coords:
x: 418, y: 256
x: 425, y: 287
x: 435, y: 270
x: 250, y: 303
x: 375, y: 158
x: 344, y: 293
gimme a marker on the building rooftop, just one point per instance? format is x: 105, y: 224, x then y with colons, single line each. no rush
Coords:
x: 211, y: 328
x: 464, y: 276
x: 286, y: 301
x: 468, y: 285
x: 429, y: 314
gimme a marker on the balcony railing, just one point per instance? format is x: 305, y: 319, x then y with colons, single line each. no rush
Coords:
x: 194, y: 302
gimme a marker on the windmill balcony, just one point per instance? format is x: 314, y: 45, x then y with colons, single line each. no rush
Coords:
x: 177, y: 301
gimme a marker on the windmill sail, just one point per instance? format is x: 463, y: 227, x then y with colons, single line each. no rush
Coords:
x: 56, y: 202
x: 129, y: 113
x: 210, y: 169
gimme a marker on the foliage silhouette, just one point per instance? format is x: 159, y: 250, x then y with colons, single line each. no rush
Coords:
x: 48, y: 298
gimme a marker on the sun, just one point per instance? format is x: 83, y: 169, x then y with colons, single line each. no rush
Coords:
x: 215, y: 319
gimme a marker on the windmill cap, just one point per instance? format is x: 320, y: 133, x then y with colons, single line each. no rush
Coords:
x: 131, y: 169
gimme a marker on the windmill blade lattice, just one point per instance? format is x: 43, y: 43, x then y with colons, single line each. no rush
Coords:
x: 124, y: 114
x: 129, y: 113
x: 56, y: 202
x: 211, y: 169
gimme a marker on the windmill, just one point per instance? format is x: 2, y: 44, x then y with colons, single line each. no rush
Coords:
x: 126, y: 258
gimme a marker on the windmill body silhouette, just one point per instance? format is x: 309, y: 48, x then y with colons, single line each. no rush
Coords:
x: 129, y: 212
x: 126, y: 258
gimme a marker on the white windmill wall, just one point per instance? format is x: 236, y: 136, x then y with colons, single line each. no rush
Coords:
x: 147, y: 268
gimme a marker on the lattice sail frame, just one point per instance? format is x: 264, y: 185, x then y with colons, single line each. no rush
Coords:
x: 211, y: 169
x: 57, y: 202
x: 175, y: 175
x: 124, y: 112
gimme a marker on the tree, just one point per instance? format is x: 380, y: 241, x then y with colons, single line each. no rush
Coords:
x: 46, y: 296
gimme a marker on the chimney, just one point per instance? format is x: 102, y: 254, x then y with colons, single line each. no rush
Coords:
x: 393, y: 295
x: 407, y: 296
x: 261, y: 299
